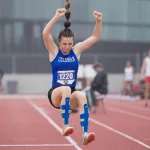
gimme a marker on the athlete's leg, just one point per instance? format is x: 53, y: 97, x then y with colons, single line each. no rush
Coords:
x: 125, y: 87
x: 131, y: 91
x: 61, y: 98
x: 147, y: 88
x: 78, y: 99
x: 124, y: 92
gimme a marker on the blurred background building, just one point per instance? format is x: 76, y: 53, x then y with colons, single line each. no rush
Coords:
x: 24, y: 58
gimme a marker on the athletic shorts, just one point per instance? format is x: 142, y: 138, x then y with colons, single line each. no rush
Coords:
x: 50, y: 94
x: 147, y: 79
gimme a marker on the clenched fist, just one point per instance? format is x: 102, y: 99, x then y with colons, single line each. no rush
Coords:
x: 97, y: 15
x: 61, y: 12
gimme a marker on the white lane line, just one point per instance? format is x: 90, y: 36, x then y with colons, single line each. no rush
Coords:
x: 118, y: 132
x: 54, y: 124
x: 129, y: 113
x: 22, y: 97
x: 136, y: 106
x: 35, y: 145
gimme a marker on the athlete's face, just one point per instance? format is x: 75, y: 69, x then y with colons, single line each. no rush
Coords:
x: 128, y: 63
x: 66, y: 44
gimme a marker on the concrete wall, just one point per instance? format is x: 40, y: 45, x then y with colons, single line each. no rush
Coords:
x: 27, y: 83
x: 41, y: 83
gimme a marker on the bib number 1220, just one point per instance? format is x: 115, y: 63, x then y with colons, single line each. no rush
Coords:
x: 66, y: 76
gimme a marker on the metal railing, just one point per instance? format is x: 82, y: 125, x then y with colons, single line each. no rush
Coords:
x: 39, y: 63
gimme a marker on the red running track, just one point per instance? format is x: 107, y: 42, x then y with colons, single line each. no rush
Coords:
x: 30, y: 123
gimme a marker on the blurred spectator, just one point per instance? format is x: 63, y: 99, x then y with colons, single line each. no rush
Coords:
x: 145, y: 74
x: 129, y: 75
x: 99, y: 85
x: 1, y: 76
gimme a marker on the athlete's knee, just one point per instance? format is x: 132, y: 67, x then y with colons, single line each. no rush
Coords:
x: 66, y: 89
x: 79, y: 95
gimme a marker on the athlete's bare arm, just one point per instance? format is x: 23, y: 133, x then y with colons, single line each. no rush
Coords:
x: 48, y: 39
x: 81, y: 46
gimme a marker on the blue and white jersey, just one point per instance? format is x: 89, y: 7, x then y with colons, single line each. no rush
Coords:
x: 64, y: 69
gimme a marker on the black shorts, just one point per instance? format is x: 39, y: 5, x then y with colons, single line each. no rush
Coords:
x: 50, y: 94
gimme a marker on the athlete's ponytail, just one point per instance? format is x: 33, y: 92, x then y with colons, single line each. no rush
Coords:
x: 67, y: 24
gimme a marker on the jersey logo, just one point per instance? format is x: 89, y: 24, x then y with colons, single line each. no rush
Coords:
x: 66, y: 77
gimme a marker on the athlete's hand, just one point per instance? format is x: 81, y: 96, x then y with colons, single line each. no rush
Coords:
x: 60, y: 12
x: 97, y: 15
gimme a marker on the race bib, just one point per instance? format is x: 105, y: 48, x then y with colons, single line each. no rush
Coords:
x: 66, y: 77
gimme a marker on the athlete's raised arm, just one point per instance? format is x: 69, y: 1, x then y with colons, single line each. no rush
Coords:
x: 48, y: 39
x: 95, y: 37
